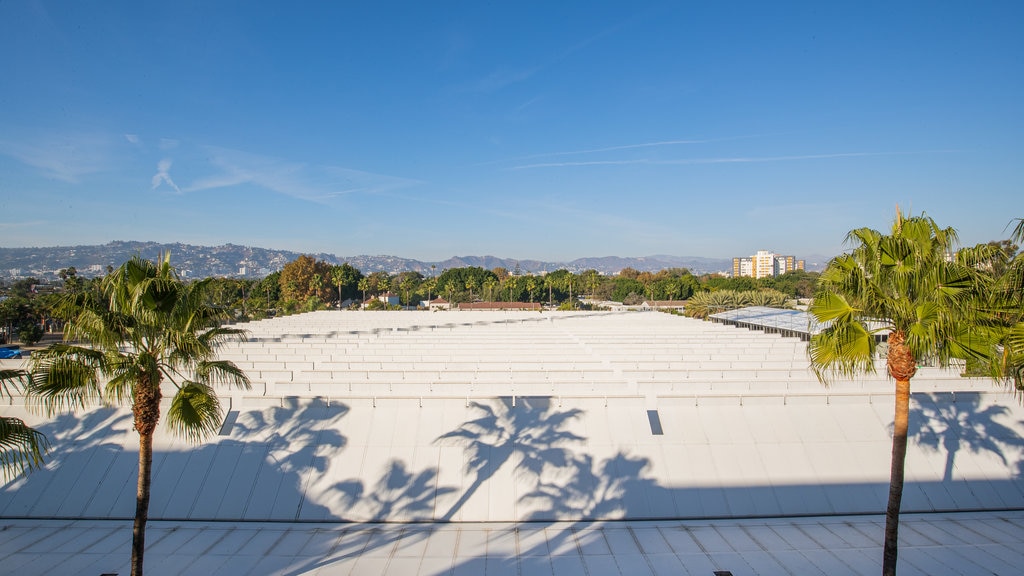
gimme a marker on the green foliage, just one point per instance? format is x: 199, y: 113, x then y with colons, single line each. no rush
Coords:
x: 460, y: 278
x: 30, y: 333
x: 313, y: 303
x: 375, y: 305
x: 21, y: 447
x: 703, y: 304
x: 347, y: 277
x: 1006, y: 302
x: 903, y: 282
x: 735, y: 284
x: 624, y: 288
x: 23, y: 287
x: 796, y: 284
x: 304, y: 278
x: 632, y: 299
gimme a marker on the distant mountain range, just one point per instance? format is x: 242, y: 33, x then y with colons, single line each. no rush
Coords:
x: 250, y: 262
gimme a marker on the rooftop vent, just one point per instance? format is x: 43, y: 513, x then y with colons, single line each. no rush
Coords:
x: 229, y: 422
x: 655, y: 420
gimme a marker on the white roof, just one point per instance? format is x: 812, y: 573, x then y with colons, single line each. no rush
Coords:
x: 506, y: 417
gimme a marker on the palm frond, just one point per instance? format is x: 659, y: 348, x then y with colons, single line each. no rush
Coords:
x: 830, y: 306
x: 21, y: 447
x: 222, y: 372
x: 1018, y: 231
x: 66, y: 377
x: 12, y: 377
x: 195, y: 412
x: 843, y: 349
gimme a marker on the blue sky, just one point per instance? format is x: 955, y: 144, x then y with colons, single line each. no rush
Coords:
x: 548, y: 130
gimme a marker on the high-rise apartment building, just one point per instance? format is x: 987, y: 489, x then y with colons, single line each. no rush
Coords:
x: 765, y: 264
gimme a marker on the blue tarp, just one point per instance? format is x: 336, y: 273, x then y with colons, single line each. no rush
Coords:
x: 9, y: 353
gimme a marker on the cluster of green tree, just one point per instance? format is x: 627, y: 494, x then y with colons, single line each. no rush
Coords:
x: 25, y: 314
x: 703, y: 304
x: 795, y: 284
x: 307, y: 284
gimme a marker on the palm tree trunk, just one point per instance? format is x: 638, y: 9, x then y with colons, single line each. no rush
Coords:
x: 146, y: 410
x: 142, y: 502
x: 902, y: 365
x: 477, y: 483
x: 896, y: 473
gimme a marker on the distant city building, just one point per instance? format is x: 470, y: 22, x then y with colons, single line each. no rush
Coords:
x: 765, y: 264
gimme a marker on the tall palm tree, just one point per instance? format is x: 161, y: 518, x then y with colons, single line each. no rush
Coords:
x: 449, y: 287
x: 430, y: 284
x: 908, y: 285
x: 141, y: 327
x: 338, y: 277
x: 489, y: 285
x: 364, y: 285
x: 21, y: 447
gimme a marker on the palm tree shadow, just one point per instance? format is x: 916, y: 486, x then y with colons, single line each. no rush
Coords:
x: 62, y: 485
x: 524, y: 430
x: 596, y: 490
x: 296, y: 430
x: 399, y: 495
x: 952, y: 423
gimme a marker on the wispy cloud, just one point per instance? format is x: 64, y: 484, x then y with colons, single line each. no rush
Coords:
x: 311, y: 182
x: 163, y: 175
x: 528, y: 103
x: 695, y: 161
x: 501, y: 78
x: 599, y: 150
x: 23, y: 225
x: 66, y: 157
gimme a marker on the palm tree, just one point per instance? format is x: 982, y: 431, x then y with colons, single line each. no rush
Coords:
x: 906, y: 284
x: 489, y: 285
x: 430, y: 283
x: 21, y: 447
x: 449, y: 287
x: 364, y: 285
x: 338, y: 277
x: 142, y: 326
x: 407, y: 285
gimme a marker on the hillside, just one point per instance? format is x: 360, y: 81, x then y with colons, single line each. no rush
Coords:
x: 252, y: 262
